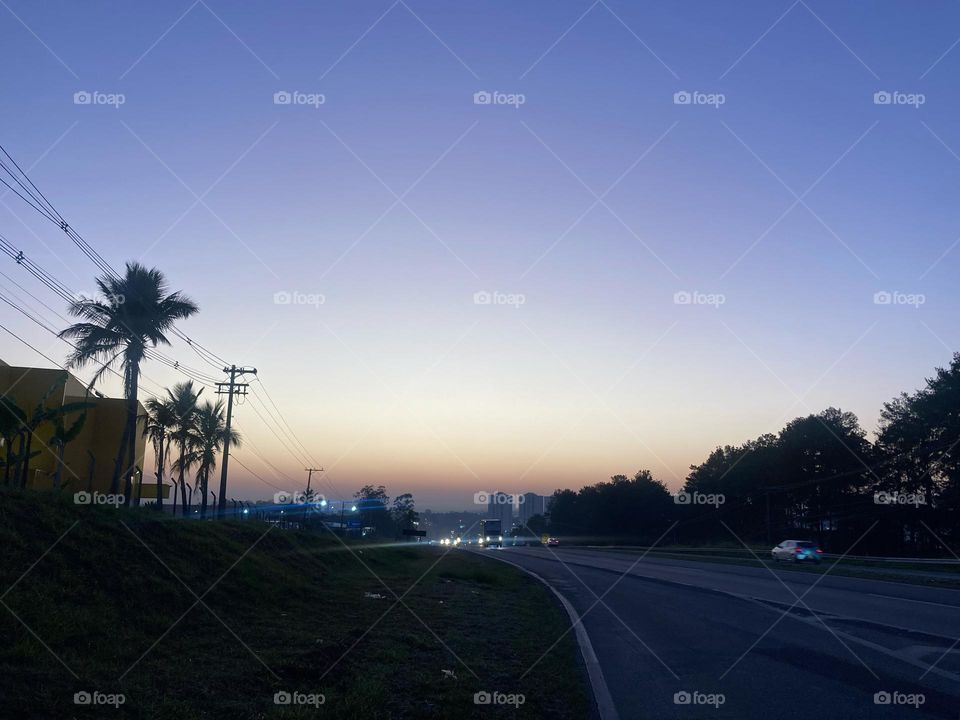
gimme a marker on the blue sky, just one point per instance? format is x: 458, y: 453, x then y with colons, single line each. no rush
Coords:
x: 586, y: 209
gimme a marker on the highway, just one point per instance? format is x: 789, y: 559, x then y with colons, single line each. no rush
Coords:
x: 744, y: 642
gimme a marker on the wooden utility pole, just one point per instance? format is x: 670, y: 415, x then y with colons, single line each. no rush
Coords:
x: 229, y: 389
x: 310, y: 472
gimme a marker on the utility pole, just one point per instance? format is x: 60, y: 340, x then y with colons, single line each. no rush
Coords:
x: 229, y: 389
x: 310, y: 472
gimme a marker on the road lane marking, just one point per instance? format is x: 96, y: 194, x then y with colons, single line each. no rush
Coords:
x: 925, y: 602
x: 601, y: 693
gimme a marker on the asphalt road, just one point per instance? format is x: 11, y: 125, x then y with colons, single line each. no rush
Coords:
x: 769, y: 643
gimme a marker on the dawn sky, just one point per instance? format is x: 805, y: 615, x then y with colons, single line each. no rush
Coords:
x: 674, y: 225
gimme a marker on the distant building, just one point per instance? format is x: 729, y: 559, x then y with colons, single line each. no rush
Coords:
x: 88, y: 458
x: 500, y: 507
x: 532, y: 504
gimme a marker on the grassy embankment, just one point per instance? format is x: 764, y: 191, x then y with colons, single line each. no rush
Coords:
x: 288, y: 611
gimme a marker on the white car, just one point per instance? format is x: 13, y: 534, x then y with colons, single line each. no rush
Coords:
x: 797, y: 551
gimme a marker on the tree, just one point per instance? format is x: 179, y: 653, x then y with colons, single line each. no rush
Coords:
x: 62, y: 435
x: 211, y: 431
x: 132, y: 316
x: 44, y: 413
x: 183, y: 403
x: 403, y: 512
x: 918, y: 442
x: 13, y: 420
x: 161, y: 423
x: 372, y: 504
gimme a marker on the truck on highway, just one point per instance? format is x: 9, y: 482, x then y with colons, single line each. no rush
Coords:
x: 491, y: 533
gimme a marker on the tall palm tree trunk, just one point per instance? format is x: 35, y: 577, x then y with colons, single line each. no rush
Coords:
x: 131, y: 434
x: 203, y: 488
x: 160, y: 466
x: 26, y: 444
x: 183, y: 485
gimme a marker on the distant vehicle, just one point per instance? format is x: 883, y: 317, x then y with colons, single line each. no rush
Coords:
x: 797, y: 551
x: 553, y: 542
x: 491, y: 533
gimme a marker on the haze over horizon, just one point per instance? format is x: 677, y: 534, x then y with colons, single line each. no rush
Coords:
x: 674, y: 227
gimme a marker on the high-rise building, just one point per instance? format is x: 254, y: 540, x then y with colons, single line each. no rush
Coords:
x: 532, y: 504
x: 500, y: 507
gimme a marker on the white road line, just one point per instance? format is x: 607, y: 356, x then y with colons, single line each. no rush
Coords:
x: 601, y: 693
x: 925, y: 602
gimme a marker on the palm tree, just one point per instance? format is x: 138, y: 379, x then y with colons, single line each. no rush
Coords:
x: 211, y: 428
x: 132, y: 316
x: 44, y: 413
x: 12, y: 422
x: 160, y: 424
x: 183, y: 403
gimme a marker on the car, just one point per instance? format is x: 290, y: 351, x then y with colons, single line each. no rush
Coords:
x: 553, y: 542
x: 797, y: 551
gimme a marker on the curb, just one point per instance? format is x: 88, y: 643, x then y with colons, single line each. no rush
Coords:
x: 601, y: 693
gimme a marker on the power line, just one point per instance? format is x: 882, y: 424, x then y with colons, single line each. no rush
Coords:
x: 284, y: 420
x: 43, y: 355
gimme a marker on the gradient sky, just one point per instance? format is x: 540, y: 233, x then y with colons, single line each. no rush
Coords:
x: 797, y: 200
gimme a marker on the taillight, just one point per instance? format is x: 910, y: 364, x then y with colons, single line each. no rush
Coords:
x: 819, y: 550
x: 799, y: 550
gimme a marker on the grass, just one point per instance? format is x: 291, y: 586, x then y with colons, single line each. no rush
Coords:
x: 945, y: 576
x: 291, y: 613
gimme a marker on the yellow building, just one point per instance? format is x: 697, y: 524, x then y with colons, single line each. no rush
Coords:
x: 89, y: 458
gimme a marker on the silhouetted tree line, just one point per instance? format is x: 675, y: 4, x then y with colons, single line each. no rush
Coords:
x: 819, y: 478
